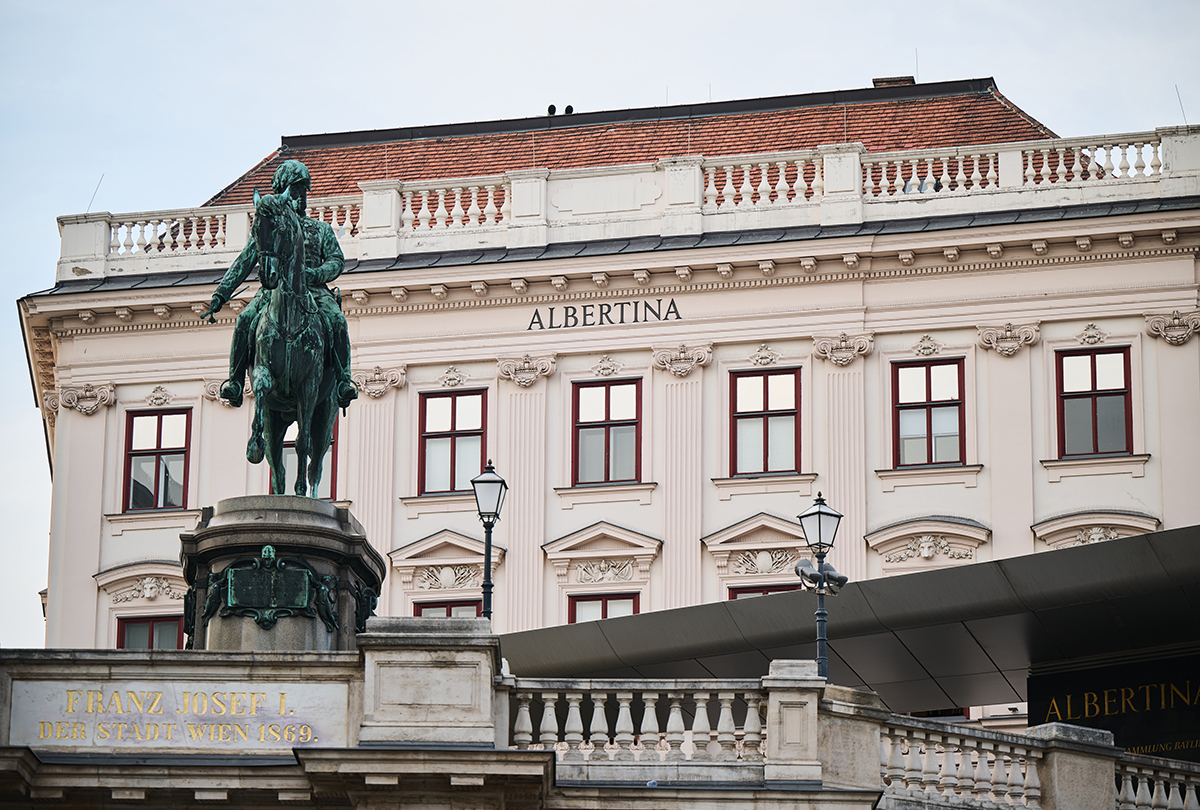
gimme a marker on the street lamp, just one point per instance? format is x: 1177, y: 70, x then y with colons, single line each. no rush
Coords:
x: 820, y: 524
x: 489, y: 499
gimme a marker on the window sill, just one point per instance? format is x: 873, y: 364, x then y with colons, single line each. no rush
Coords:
x: 184, y: 519
x: 1057, y: 469
x: 605, y: 493
x: 795, y: 484
x: 965, y: 474
x: 439, y: 504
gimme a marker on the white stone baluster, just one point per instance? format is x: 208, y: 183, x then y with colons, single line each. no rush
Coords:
x: 648, y: 733
x: 960, y: 177
x: 140, y: 242
x: 441, y: 213
x: 983, y: 778
x: 751, y: 729
x: 1125, y: 799
x: 966, y: 779
x: 506, y: 206
x: 1029, y: 173
x: 781, y: 185
x: 624, y: 731
x: 1139, y: 165
x: 1158, y: 801
x: 920, y: 186
x: 802, y: 185
x: 726, y: 730
x: 1124, y: 167
x: 818, y: 184
x: 991, y: 176
x: 425, y: 215
x: 219, y: 236
x: 474, y: 210
x: 764, y: 184
x: 1015, y: 782
x: 523, y: 725
x: 155, y: 240
x: 599, y: 726
x: 727, y: 203
x: 490, y: 210
x: 885, y: 747
x: 457, y: 213
x: 912, y: 767
x: 944, y: 180
x: 895, y: 184
x: 114, y: 243
x: 172, y: 230
x: 746, y: 190
x: 406, y: 213
x: 548, y: 730
x: 896, y: 766
x: 868, y: 185
x: 1045, y: 172
x: 947, y: 781
x: 929, y: 769
x: 1142, y: 797
x: 574, y: 728
x: 1190, y: 801
x: 710, y: 190
x: 1175, y: 796
x: 196, y: 240
x: 1155, y: 171
x: 999, y: 775
x: 127, y: 245
x: 1109, y: 169
x: 675, y: 727
x: 701, y: 728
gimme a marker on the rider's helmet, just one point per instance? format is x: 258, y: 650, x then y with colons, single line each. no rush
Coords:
x: 289, y: 173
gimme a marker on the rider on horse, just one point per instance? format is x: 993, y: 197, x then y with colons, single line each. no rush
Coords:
x: 323, y: 262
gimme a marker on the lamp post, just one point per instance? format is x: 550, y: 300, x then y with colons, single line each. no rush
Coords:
x: 820, y: 524
x: 489, y: 499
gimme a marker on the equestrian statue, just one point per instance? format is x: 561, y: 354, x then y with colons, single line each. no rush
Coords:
x: 292, y: 335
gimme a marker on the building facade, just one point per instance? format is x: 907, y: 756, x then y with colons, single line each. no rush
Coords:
x: 669, y: 329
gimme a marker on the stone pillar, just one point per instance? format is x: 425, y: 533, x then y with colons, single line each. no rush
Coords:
x: 841, y: 198
x: 681, y: 490
x: 528, y: 225
x: 685, y: 195
x: 524, y: 524
x: 371, y: 482
x: 793, y: 690
x: 845, y: 467
x: 848, y: 741
x: 1011, y: 461
x: 278, y: 572
x: 1077, y: 768
x: 1178, y: 392
x: 76, y: 527
x: 379, y: 235
x: 431, y: 681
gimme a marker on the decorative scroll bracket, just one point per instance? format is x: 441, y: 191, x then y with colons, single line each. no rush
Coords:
x: 376, y: 382
x: 1008, y: 339
x: 87, y: 399
x: 1176, y: 329
x: 680, y: 360
x: 842, y: 350
x: 526, y: 371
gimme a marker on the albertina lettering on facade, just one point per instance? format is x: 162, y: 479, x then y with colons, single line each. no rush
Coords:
x: 604, y: 314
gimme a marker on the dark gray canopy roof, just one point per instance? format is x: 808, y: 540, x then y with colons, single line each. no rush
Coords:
x: 964, y: 636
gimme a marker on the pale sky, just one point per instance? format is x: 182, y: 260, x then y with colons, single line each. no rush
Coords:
x: 169, y: 105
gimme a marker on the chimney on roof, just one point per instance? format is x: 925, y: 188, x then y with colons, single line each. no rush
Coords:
x: 893, y: 81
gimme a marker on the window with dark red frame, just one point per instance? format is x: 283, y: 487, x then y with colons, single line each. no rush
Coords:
x: 150, y: 633
x: 452, y: 440
x: 156, y: 459
x: 328, y: 486
x: 764, y: 438
x: 608, y: 432
x: 591, y: 608
x: 760, y: 590
x: 1094, y: 413
x: 461, y: 609
x: 928, y: 417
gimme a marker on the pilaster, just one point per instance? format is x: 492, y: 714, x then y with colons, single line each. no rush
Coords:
x: 845, y: 467
x: 681, y: 489
x: 370, y: 484
x: 1011, y: 459
x: 523, y: 448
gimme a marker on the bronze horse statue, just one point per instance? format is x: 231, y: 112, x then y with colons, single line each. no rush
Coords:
x: 290, y: 375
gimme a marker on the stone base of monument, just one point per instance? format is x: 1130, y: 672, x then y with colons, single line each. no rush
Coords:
x: 278, y: 572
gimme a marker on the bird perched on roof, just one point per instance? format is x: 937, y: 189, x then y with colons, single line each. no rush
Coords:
x: 811, y: 579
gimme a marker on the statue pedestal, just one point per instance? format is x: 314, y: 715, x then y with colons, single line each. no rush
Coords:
x: 278, y: 572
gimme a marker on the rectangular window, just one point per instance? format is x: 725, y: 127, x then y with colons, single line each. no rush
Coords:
x: 464, y: 609
x: 764, y: 437
x: 608, y: 432
x: 602, y: 606
x: 156, y: 459
x: 928, y: 419
x: 157, y: 633
x: 760, y: 590
x: 452, y: 440
x: 1094, y: 415
x: 328, y: 486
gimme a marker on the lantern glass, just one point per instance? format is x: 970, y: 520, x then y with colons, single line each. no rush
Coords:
x: 820, y: 524
x: 490, y: 490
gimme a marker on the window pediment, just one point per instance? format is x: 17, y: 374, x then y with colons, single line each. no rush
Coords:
x: 762, y: 544
x: 1085, y: 528
x: 602, y: 553
x: 445, y: 561
x: 928, y: 543
x: 145, y: 583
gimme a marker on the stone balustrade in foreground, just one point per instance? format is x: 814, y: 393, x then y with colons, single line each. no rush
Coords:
x: 430, y: 699
x: 834, y: 185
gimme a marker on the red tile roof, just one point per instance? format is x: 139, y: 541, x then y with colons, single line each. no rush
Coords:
x: 883, y: 119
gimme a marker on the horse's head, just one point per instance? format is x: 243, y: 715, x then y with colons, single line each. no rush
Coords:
x: 274, y: 231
